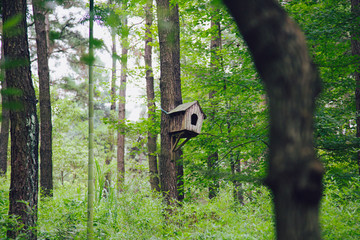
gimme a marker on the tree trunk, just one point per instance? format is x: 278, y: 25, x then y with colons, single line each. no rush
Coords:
x: 281, y: 57
x: 235, y: 165
x: 214, y: 181
x: 170, y: 88
x: 355, y: 46
x: 5, y: 122
x: 152, y: 138
x: 122, y: 102
x: 46, y: 178
x: 236, y: 170
x: 24, y: 130
x: 111, y: 140
x: 215, y: 46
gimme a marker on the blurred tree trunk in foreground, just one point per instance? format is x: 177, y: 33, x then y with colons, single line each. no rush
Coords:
x: 281, y: 57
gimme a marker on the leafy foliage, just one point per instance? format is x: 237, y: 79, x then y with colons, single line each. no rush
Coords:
x: 236, y: 126
x: 328, y: 25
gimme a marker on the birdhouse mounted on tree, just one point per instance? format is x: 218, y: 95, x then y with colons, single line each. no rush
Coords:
x: 186, y: 120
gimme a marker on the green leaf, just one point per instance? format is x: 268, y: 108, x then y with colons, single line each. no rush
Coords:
x: 12, y: 23
x: 87, y: 59
x: 12, y: 91
x: 97, y: 43
x: 14, y: 63
x: 53, y: 35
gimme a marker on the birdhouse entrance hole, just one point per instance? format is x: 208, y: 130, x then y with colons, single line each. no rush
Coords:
x: 194, y: 119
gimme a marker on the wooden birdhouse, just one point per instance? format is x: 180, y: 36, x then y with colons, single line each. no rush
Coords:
x: 186, y: 120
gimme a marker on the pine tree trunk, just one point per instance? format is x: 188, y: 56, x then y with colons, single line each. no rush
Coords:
x: 281, y: 57
x: 24, y: 130
x: 355, y: 46
x: 46, y: 178
x: 152, y: 138
x: 170, y: 88
x: 111, y: 139
x: 5, y: 122
x: 122, y: 103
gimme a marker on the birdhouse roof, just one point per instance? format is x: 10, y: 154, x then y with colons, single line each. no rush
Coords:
x: 183, y: 107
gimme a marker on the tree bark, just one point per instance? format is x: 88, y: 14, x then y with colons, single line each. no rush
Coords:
x: 170, y: 88
x: 355, y: 46
x: 23, y: 196
x: 152, y: 137
x: 111, y: 139
x: 122, y: 102
x: 5, y: 122
x: 281, y: 57
x: 46, y: 178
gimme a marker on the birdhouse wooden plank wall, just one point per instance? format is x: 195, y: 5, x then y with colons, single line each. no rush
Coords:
x: 186, y: 120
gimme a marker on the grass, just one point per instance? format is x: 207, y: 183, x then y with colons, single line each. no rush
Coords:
x: 340, y: 212
x: 136, y: 213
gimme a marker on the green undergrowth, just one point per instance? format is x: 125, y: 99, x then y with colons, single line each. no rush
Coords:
x: 139, y: 214
x: 340, y: 210
x: 136, y: 213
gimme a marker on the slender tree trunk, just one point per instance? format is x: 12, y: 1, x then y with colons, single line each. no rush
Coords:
x: 46, y: 178
x: 236, y: 170
x: 24, y: 122
x: 112, y: 106
x: 281, y: 57
x: 215, y: 46
x: 122, y: 102
x: 5, y: 122
x: 170, y: 88
x: 152, y: 138
x: 355, y: 45
x: 235, y: 165
x: 214, y: 181
x: 91, y: 181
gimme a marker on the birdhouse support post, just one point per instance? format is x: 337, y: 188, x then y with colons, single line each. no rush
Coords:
x: 175, y: 139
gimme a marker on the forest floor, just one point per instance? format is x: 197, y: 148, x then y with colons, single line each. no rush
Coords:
x: 136, y: 213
